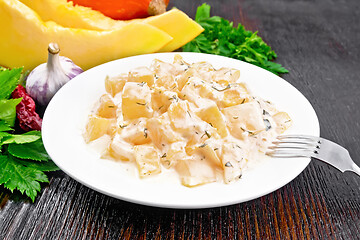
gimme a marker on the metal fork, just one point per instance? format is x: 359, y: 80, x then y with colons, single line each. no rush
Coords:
x: 289, y: 146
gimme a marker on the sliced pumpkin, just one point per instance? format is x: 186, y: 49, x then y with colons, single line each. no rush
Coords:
x: 174, y: 22
x: 69, y: 15
x: 178, y: 25
x: 25, y: 37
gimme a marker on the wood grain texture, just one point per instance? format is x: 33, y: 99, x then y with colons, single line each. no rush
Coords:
x: 318, y: 41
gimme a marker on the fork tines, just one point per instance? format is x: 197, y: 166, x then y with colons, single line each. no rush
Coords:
x: 294, y: 146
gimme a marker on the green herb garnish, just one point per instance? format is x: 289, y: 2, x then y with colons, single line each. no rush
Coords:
x: 223, y: 89
x: 207, y: 134
x: 142, y: 104
x: 145, y: 133
x: 220, y: 37
x: 23, y: 159
x: 202, y: 145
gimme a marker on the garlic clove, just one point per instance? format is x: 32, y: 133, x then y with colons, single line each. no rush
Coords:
x: 47, y: 78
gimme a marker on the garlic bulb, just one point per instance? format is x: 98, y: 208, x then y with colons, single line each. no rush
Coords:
x: 47, y: 78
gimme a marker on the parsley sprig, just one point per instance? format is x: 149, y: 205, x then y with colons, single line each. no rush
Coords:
x: 23, y: 158
x: 220, y: 37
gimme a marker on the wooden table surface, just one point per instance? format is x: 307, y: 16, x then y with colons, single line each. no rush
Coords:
x: 319, y: 42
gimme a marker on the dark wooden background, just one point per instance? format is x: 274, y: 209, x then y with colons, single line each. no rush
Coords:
x: 319, y: 42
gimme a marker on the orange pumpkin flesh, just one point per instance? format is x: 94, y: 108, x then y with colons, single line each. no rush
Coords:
x: 121, y: 9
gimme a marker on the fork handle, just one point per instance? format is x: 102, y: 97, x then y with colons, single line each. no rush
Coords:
x: 355, y: 168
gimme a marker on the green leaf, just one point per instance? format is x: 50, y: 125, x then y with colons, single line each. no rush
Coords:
x: 9, y: 79
x: 33, y: 132
x: 5, y: 172
x: 34, y: 151
x: 3, y: 137
x: 220, y: 37
x: 15, y: 175
x: 275, y: 67
x: 202, y: 12
x: 4, y: 126
x: 8, y: 110
x: 42, y: 166
x: 21, y: 139
x: 22, y: 79
x: 191, y: 47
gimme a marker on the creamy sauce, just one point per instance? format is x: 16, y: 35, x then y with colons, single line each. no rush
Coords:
x: 185, y: 120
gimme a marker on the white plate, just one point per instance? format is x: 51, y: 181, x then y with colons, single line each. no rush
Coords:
x: 66, y: 115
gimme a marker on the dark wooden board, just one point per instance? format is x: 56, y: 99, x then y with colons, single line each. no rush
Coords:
x: 319, y: 42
